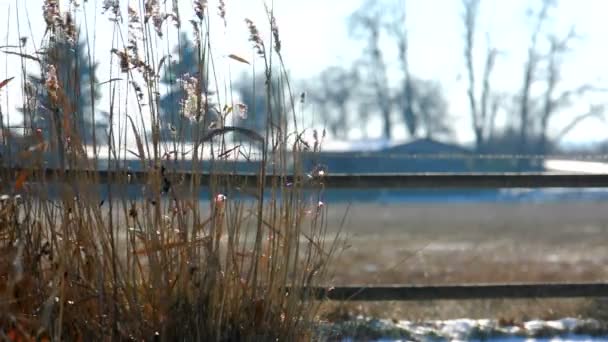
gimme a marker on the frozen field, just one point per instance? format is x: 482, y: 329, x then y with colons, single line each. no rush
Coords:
x: 433, y: 243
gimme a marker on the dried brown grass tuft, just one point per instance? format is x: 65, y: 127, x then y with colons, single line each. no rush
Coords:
x: 76, y: 264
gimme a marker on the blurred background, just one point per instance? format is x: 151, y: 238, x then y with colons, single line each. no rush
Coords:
x: 516, y: 77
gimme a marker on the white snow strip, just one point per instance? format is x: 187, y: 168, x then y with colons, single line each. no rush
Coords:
x: 558, y: 165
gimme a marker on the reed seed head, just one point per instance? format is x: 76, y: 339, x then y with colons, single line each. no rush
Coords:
x: 199, y: 8
x: 242, y: 110
x: 254, y: 37
x: 190, y: 102
x: 112, y: 6
x: 52, y: 82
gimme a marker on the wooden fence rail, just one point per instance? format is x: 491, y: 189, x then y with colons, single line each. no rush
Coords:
x: 353, y: 181
x: 461, y: 292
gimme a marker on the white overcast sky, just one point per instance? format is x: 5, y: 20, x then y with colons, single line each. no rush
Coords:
x: 315, y: 36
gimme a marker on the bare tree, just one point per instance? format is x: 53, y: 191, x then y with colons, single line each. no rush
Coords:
x: 398, y: 30
x: 387, y: 19
x: 594, y: 111
x: 483, y: 111
x: 333, y: 94
x: 530, y: 69
x: 252, y: 93
x: 495, y: 106
x: 363, y: 110
x: 367, y: 22
x: 553, y: 101
x: 431, y: 108
x: 489, y: 103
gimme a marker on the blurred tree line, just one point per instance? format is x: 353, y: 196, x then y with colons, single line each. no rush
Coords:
x: 529, y: 113
x: 349, y: 96
x: 59, y: 102
x: 76, y: 74
x: 378, y: 84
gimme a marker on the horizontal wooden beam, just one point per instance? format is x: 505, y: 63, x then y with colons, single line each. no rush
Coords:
x: 469, y: 180
x: 344, y: 181
x: 461, y: 292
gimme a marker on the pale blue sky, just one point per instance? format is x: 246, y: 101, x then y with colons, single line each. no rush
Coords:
x: 315, y: 36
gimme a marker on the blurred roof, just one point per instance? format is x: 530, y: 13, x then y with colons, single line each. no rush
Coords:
x: 360, y: 145
x: 427, y: 146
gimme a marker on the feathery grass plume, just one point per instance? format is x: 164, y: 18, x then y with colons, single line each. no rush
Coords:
x: 52, y: 14
x: 135, y: 27
x: 69, y: 28
x: 58, y: 23
x: 254, y: 37
x: 274, y: 28
x: 242, y: 110
x: 128, y: 59
x: 222, y: 11
x: 138, y: 90
x: 190, y: 102
x: 112, y: 6
x: 52, y: 82
x: 196, y: 32
x: 152, y: 10
x: 199, y: 8
x: 135, y: 31
x: 177, y: 21
x: 123, y: 57
x: 133, y: 16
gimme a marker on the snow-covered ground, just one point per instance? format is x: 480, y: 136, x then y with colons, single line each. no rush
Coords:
x: 567, y: 329
x: 575, y: 166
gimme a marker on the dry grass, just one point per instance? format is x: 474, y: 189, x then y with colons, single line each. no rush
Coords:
x: 80, y: 266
